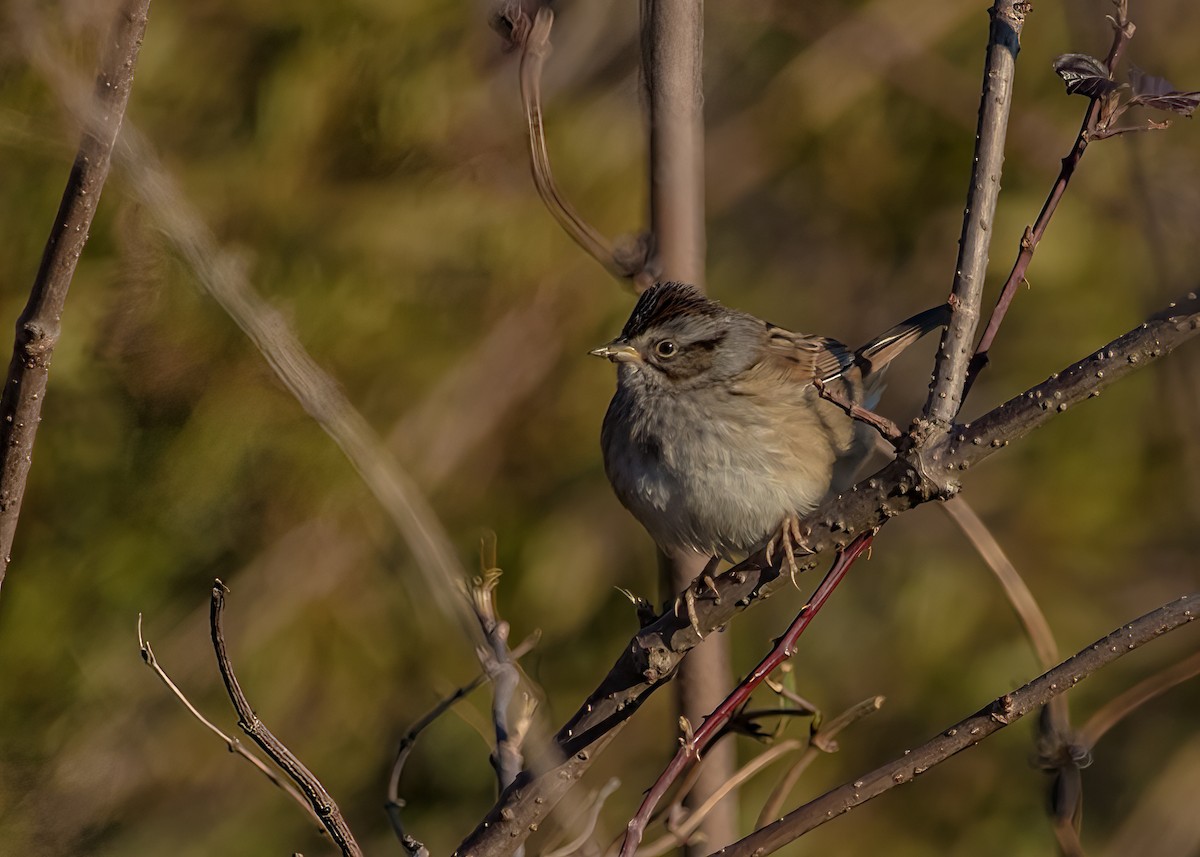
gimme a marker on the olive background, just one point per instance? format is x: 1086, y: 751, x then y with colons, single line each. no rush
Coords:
x: 365, y: 163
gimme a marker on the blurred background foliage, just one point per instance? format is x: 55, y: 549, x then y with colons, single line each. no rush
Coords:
x: 365, y: 162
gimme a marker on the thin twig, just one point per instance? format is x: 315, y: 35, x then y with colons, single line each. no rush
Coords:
x: 589, y: 826
x: 318, y: 797
x: 789, y: 694
x: 886, y: 428
x: 1120, y: 707
x: 501, y: 669
x: 821, y: 741
x: 314, y: 389
x: 1057, y: 749
x: 1122, y: 32
x: 966, y: 295
x: 1023, y: 603
x: 395, y: 803
x: 231, y: 743
x: 534, y: 39
x: 1068, y: 838
x: 39, y: 325
x: 682, y: 833
x: 715, y: 722
x: 967, y: 733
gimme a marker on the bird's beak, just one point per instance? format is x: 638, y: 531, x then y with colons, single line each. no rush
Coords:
x: 618, y: 352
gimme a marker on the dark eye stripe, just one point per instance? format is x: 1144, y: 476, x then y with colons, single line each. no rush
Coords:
x: 708, y: 344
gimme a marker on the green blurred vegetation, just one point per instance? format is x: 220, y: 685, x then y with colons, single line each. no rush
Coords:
x: 365, y: 162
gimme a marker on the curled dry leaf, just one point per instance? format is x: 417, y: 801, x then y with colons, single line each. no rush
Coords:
x: 1085, y: 75
x: 1159, y: 94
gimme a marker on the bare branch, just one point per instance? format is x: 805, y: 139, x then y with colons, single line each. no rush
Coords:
x: 314, y: 389
x: 395, y: 803
x: 534, y: 38
x: 38, y: 327
x: 500, y: 667
x: 969, y: 732
x: 672, y: 68
x: 821, y: 741
x: 319, y: 799
x: 1018, y: 594
x: 966, y: 295
x: 1122, y: 32
x: 886, y: 428
x: 693, y: 746
x: 232, y: 744
x: 1117, y: 709
x: 682, y: 833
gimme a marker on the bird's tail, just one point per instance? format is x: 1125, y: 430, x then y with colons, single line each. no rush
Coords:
x: 881, y: 350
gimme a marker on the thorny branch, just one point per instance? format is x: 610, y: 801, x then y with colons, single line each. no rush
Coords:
x: 38, y: 326
x: 681, y: 832
x: 319, y: 799
x: 694, y: 745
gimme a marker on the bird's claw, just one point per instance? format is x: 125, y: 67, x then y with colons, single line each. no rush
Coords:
x: 788, y: 539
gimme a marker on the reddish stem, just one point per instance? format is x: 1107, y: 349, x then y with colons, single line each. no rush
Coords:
x: 1123, y: 31
x: 713, y: 724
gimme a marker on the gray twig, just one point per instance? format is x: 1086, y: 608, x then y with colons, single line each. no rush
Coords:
x: 231, y: 743
x: 38, y: 327
x: 966, y: 295
x: 318, y: 797
x: 500, y: 667
x: 313, y: 388
x: 821, y: 741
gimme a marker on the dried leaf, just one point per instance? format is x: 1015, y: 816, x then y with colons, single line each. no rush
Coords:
x: 1159, y: 94
x: 1084, y: 75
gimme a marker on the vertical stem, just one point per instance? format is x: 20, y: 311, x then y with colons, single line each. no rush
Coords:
x: 950, y: 371
x: 39, y: 325
x: 672, y: 59
x: 672, y: 67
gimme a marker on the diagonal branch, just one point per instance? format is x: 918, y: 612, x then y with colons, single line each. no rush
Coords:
x: 966, y: 294
x: 38, y: 327
x: 1118, y: 708
x: 714, y: 723
x: 321, y: 801
x: 821, y: 741
x: 917, y: 476
x: 234, y: 745
x: 967, y: 733
x: 313, y: 388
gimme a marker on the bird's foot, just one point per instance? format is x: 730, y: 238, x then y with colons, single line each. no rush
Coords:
x: 789, y: 538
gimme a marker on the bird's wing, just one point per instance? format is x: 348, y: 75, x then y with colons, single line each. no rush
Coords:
x: 803, y: 358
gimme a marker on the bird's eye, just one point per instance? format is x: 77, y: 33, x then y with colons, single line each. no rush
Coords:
x: 665, y: 348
